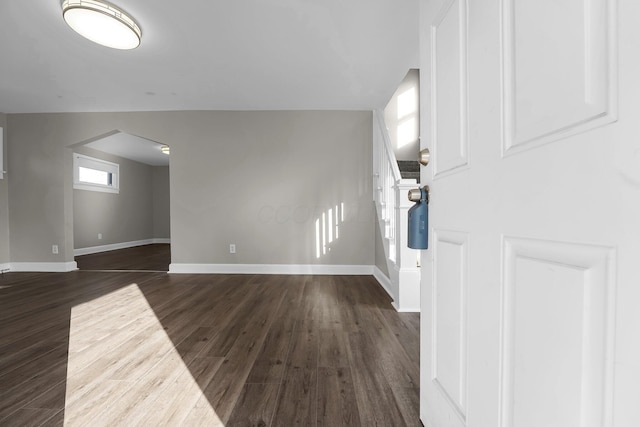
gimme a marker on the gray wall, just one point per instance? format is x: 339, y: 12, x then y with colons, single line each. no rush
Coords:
x: 161, y: 202
x: 410, y: 150
x: 256, y: 179
x: 123, y: 217
x: 4, y: 199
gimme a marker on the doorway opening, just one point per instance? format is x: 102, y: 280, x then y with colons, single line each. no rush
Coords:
x: 121, y: 203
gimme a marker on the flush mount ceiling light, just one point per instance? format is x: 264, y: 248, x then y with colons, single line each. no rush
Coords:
x: 165, y: 149
x: 102, y: 23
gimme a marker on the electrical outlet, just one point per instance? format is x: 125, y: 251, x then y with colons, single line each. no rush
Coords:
x: 232, y: 248
x: 99, y: 236
x: 54, y: 249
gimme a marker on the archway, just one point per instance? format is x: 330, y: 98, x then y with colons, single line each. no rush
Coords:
x: 121, y: 203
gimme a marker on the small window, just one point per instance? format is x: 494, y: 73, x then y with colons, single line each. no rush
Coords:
x: 94, y: 174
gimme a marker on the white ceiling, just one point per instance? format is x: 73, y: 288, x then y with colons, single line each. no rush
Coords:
x: 131, y: 147
x: 211, y: 54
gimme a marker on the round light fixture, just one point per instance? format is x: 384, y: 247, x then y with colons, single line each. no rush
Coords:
x: 102, y: 23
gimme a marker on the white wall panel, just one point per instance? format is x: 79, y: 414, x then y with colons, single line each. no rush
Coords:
x: 449, y: 317
x: 449, y: 88
x: 557, y: 338
x: 562, y: 79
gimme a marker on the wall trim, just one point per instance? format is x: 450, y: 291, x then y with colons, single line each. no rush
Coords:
x: 44, y: 267
x: 355, y: 270
x: 385, y: 282
x: 114, y: 246
x: 5, y: 267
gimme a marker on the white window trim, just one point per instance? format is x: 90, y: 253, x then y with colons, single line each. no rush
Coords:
x: 80, y: 160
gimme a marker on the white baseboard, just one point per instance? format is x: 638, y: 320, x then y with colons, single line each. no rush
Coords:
x: 385, y: 282
x: 5, y: 267
x: 44, y: 267
x: 347, y: 270
x: 408, y: 310
x: 115, y: 246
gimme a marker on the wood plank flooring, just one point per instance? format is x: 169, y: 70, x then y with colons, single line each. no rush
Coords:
x: 151, y: 349
x: 155, y: 257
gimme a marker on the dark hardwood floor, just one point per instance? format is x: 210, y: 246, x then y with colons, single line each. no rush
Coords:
x: 152, y: 349
x: 156, y: 257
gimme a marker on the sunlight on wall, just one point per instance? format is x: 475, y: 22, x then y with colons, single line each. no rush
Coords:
x: 407, y: 101
x: 407, y: 117
x: 124, y: 369
x: 328, y: 229
x: 318, y: 238
x: 402, y: 117
x: 407, y: 132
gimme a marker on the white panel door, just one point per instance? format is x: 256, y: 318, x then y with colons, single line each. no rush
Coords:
x: 531, y: 286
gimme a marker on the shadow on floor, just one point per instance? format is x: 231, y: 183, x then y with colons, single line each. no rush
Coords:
x: 154, y: 257
x: 226, y: 349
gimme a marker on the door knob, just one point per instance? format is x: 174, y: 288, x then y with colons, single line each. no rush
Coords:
x: 425, y: 156
x: 417, y: 194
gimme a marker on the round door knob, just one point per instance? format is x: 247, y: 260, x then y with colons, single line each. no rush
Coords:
x: 415, y: 194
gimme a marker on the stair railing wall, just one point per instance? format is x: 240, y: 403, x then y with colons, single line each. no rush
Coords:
x: 386, y: 174
x: 391, y: 207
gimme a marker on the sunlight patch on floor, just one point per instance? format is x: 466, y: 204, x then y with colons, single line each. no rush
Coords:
x: 123, y: 368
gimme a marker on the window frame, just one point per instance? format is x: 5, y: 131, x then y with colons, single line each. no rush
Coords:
x: 81, y: 160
